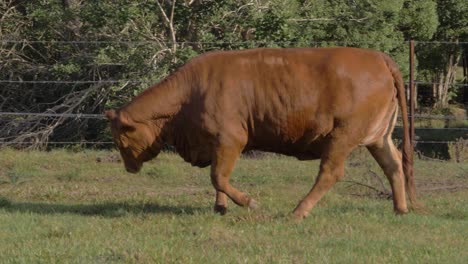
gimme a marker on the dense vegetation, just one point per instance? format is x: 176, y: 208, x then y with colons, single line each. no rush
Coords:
x: 74, y: 56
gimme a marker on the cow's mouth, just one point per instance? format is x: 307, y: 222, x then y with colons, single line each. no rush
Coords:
x: 133, y: 168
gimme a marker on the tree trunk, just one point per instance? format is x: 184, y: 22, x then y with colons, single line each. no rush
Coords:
x: 445, y: 79
x: 416, y: 96
x: 465, y: 77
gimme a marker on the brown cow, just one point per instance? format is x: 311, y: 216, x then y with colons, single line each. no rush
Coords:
x: 308, y: 103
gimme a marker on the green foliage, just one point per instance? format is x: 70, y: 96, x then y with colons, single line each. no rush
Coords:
x: 438, y: 62
x: 133, y: 41
x: 419, y: 19
x: 65, y: 69
x: 453, y: 19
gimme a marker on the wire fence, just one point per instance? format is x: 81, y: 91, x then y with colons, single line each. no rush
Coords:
x: 258, y: 42
x: 148, y: 81
x: 5, y: 141
x: 101, y: 116
x: 108, y: 143
x: 23, y: 116
x: 90, y: 116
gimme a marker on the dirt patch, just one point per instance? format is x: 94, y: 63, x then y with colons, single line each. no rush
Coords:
x: 111, y: 158
x: 441, y: 186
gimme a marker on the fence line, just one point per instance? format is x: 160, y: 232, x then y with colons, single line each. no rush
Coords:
x: 436, y: 117
x: 101, y: 116
x: 76, y: 82
x: 433, y: 142
x: 150, y: 81
x: 6, y: 143
x: 344, y: 42
x: 60, y: 143
x: 432, y: 83
x: 154, y: 42
x: 91, y: 116
x: 439, y: 128
x: 139, y: 42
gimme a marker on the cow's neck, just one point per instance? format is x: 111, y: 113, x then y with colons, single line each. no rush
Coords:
x: 160, y: 102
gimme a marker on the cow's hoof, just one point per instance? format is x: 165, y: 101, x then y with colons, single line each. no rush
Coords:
x: 298, y: 215
x: 401, y: 211
x: 220, y: 209
x: 253, y: 204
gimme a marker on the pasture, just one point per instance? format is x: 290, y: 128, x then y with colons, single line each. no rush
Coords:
x: 81, y: 206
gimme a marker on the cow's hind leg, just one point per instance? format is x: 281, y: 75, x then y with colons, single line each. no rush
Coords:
x: 223, y: 163
x: 389, y: 159
x: 331, y: 170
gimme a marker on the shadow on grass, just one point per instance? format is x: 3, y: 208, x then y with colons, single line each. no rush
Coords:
x: 105, y: 209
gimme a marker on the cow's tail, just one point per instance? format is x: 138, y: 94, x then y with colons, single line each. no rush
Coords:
x: 407, y: 152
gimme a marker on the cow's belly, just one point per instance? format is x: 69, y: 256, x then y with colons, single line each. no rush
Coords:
x: 197, y: 157
x: 308, y: 147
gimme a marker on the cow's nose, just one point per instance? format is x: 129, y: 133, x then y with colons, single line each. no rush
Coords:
x: 132, y: 169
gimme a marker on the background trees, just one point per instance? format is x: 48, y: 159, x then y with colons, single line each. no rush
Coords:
x: 439, y: 62
x: 74, y: 56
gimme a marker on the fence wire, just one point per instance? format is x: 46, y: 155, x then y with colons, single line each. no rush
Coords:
x: 22, y: 116
x: 100, y: 143
x: 101, y: 116
x: 139, y: 42
x: 148, y: 81
x: 90, y: 116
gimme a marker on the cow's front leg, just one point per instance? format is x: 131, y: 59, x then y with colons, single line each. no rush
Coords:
x: 221, y: 203
x: 224, y: 161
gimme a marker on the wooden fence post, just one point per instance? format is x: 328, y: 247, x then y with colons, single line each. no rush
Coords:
x: 411, y: 95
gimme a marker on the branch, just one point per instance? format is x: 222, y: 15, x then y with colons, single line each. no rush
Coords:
x: 363, y: 184
x: 34, y: 131
x: 170, y: 22
x: 163, y: 13
x: 324, y: 19
x: 310, y: 19
x: 379, y: 180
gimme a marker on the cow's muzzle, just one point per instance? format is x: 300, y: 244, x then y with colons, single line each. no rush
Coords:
x: 133, y: 167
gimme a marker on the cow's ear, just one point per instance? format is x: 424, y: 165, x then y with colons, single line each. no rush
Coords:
x: 121, y: 119
x: 125, y: 122
x: 110, y: 114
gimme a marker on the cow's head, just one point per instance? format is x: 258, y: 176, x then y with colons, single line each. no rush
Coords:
x: 136, y: 141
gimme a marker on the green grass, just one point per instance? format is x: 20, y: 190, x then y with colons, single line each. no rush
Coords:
x: 65, y: 207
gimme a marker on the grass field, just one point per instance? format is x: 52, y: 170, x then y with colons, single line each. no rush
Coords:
x: 82, y: 207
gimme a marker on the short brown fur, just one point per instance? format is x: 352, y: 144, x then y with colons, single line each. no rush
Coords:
x: 307, y: 103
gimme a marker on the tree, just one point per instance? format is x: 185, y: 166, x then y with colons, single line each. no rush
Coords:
x: 76, y: 44
x: 438, y: 62
x: 51, y: 43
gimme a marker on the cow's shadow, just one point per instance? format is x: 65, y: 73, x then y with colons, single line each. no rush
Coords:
x: 104, y: 209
